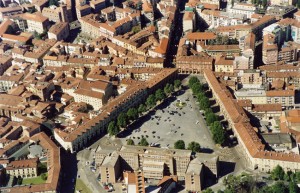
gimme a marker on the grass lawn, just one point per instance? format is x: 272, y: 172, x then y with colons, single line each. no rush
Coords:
x: 82, y: 187
x: 37, y: 180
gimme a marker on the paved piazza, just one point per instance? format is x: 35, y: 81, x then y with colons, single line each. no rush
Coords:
x: 168, y: 123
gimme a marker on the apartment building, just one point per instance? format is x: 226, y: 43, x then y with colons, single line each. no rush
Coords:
x: 10, y: 11
x: 97, y: 5
x: 110, y: 169
x: 256, y: 157
x: 224, y: 64
x: 148, y: 11
x: 52, y: 184
x: 5, y: 63
x: 189, y: 21
x: 59, y: 31
x: 193, y: 64
x: 243, y: 8
x: 56, y: 14
x: 83, y: 10
x: 24, y: 168
x: 284, y: 97
x: 194, y: 176
x: 155, y: 163
x: 36, y: 22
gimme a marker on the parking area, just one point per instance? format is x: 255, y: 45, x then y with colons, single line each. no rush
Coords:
x: 169, y: 123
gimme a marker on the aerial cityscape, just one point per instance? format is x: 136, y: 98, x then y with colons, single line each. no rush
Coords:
x: 149, y: 96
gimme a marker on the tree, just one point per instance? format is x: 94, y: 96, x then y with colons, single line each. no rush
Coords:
x: 200, y: 96
x: 287, y: 176
x: 139, y: 5
x: 142, y: 108
x: 298, y: 3
x: 143, y: 142
x: 197, y: 88
x: 167, y: 89
x: 177, y: 84
x: 207, y: 111
x: 130, y: 142
x: 204, y: 103
x: 150, y: 102
x: 179, y: 144
x: 122, y: 120
x: 241, y: 183
x: 44, y: 176
x: 209, y: 190
x: 159, y: 95
x: 210, y: 118
x: 113, y: 129
x: 293, y: 188
x: 277, y: 173
x: 297, y: 176
x: 218, y: 132
x: 19, y: 180
x: 194, y: 146
x: 264, y: 3
x: 36, y: 35
x: 53, y: 2
x: 136, y: 29
x: 279, y: 187
x: 132, y: 114
x: 193, y: 80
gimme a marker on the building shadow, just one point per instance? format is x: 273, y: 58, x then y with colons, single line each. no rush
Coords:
x: 227, y: 168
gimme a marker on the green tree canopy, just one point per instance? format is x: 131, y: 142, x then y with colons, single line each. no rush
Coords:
x: 130, y: 142
x: 218, y: 132
x: 142, y: 108
x: 193, y: 80
x: 264, y: 3
x: 44, y: 176
x: 179, y: 144
x: 209, y: 190
x: 136, y: 29
x: 113, y: 128
x: 122, y: 120
x: 277, y: 173
x: 194, y: 146
x: 200, y: 96
x: 204, y: 103
x: 279, y: 187
x: 159, y: 95
x: 151, y: 102
x: 168, y: 89
x: 197, y: 88
x: 143, y: 142
x: 177, y: 84
x: 210, y: 118
x: 53, y: 2
x: 293, y: 188
x: 132, y: 114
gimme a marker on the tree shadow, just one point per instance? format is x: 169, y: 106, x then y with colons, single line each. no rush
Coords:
x: 207, y: 150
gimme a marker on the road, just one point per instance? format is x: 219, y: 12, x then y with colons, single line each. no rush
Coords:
x: 86, y: 174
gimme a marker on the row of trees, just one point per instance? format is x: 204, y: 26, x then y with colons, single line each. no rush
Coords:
x: 279, y: 174
x: 286, y: 182
x: 223, y: 40
x: 143, y: 142
x: 216, y: 128
x: 193, y: 146
x: 263, y: 3
x: 133, y: 113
